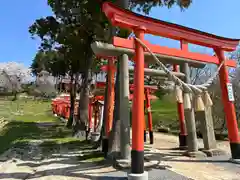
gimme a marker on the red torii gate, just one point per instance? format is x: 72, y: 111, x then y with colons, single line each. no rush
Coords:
x: 142, y: 25
x: 147, y: 96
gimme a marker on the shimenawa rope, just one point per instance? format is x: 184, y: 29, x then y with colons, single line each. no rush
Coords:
x: 187, y: 88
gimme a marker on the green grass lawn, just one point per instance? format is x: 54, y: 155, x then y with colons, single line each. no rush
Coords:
x: 28, y: 120
x: 26, y: 116
x: 164, y: 112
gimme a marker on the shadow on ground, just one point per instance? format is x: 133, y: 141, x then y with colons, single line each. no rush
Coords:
x: 75, y: 159
x: 77, y: 167
x: 172, y: 155
x: 70, y: 159
x: 18, y: 133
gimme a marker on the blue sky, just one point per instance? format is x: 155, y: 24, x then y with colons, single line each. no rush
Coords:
x: 213, y: 16
x: 15, y: 17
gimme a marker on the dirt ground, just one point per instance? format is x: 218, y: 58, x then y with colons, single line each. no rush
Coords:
x: 66, y: 164
x: 217, y: 168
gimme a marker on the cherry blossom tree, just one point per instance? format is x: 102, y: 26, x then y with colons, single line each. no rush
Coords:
x: 45, y: 84
x: 12, y: 76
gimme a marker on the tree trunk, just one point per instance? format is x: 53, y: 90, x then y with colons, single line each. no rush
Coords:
x: 60, y: 84
x: 14, y: 95
x: 80, y: 127
x: 72, y: 102
x: 83, y: 105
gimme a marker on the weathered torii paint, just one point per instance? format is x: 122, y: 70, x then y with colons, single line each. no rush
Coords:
x: 142, y: 25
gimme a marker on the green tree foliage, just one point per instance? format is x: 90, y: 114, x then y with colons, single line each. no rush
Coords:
x: 146, y: 5
x: 71, y: 30
x: 52, y: 61
x: 38, y: 63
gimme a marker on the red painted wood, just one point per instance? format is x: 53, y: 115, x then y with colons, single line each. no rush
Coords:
x: 138, y: 97
x: 110, y: 99
x: 129, y: 44
x: 105, y: 57
x: 90, y: 109
x: 229, y: 108
x: 148, y: 106
x: 106, y: 68
x: 180, y: 106
x: 131, y: 86
x: 151, y: 97
x: 127, y: 19
x: 95, y: 107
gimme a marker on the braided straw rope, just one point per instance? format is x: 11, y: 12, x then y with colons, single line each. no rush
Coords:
x: 198, y: 89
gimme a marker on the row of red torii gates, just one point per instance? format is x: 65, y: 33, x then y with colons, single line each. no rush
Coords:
x: 149, y: 90
x: 141, y: 25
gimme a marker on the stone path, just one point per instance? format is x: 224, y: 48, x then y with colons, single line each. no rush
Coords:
x: 66, y: 164
x: 61, y: 164
x: 215, y: 168
x: 154, y: 174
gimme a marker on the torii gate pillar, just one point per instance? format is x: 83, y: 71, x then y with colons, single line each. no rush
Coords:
x: 137, y: 153
x: 229, y: 109
x: 181, y: 117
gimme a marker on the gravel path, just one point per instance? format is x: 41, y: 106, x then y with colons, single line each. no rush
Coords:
x: 30, y: 162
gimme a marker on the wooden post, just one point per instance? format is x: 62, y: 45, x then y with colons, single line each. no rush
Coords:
x: 108, y: 105
x: 137, y: 154
x: 182, y: 125
x: 148, y: 106
x: 145, y: 129
x: 96, y: 109
x: 228, y: 102
x: 114, y: 139
x: 90, y: 116
x: 105, y: 116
